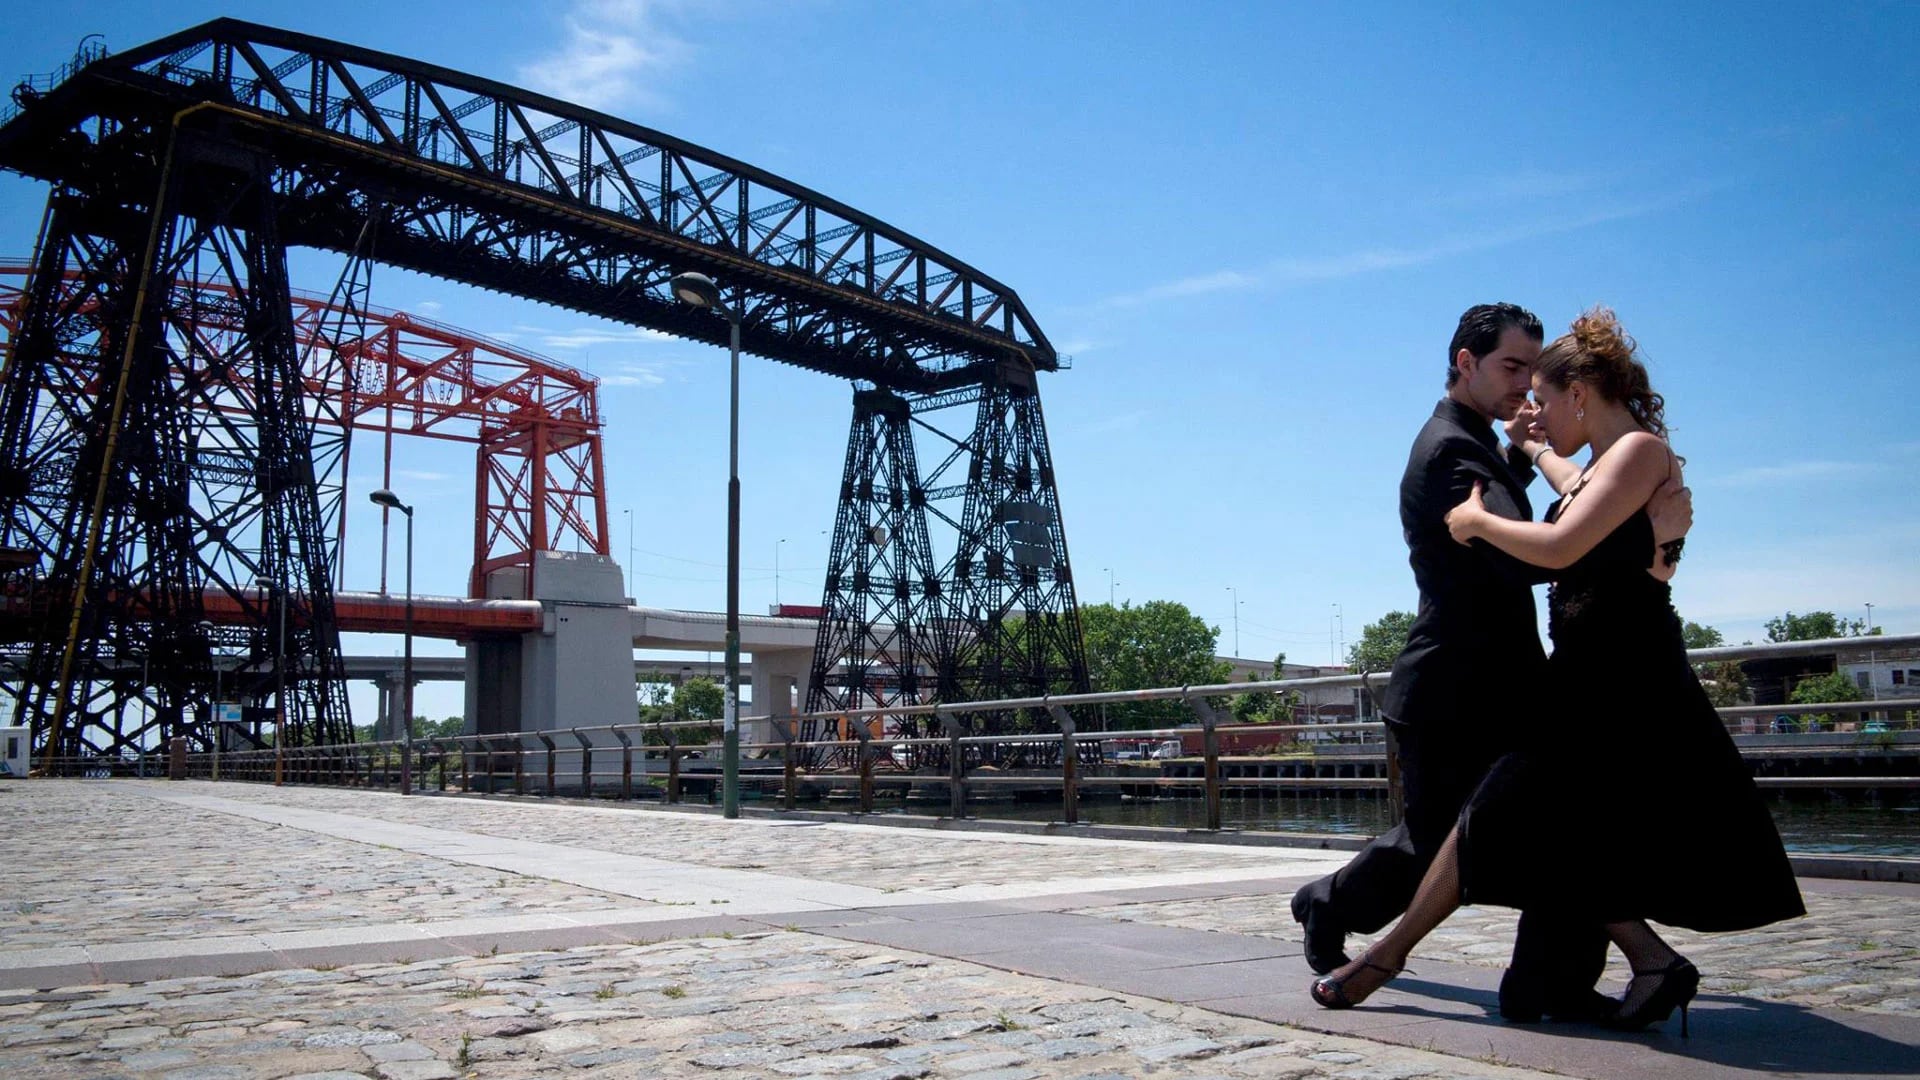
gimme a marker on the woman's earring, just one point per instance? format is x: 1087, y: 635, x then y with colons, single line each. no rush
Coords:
x: 1579, y: 414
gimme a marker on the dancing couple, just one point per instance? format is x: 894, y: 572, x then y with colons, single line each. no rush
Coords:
x: 1596, y: 790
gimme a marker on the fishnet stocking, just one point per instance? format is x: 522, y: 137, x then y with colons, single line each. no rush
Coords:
x: 1437, y: 898
x: 1647, y: 954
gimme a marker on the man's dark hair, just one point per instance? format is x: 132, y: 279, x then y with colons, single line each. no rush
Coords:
x: 1480, y: 329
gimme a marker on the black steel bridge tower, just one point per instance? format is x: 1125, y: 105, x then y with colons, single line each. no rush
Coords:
x: 143, y: 473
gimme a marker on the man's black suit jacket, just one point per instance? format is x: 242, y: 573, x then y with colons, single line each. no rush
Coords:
x: 1473, y: 658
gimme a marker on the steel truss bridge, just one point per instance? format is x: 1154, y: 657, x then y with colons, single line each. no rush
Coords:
x: 173, y: 415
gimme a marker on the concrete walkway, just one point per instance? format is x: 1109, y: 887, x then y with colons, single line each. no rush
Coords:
x: 196, y: 931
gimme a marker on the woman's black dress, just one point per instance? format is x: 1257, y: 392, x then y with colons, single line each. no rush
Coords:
x: 1630, y: 802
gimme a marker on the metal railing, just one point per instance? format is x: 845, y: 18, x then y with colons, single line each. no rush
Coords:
x: 530, y: 763
x: 34, y: 86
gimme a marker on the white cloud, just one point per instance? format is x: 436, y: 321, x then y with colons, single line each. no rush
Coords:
x: 590, y: 337
x: 423, y: 476
x: 613, y: 55
x: 1792, y: 472
x: 645, y: 375
x: 1280, y: 273
x: 428, y: 307
x: 580, y: 337
x: 1737, y: 590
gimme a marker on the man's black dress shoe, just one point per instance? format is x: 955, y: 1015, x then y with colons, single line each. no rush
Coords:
x: 1326, y: 944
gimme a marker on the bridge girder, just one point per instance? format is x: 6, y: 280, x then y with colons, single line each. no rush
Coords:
x: 503, y: 188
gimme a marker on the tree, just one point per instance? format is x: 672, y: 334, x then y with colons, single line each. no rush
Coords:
x: 1268, y: 707
x: 1381, y: 642
x: 1818, y: 689
x: 1159, y: 643
x: 1815, y: 625
x: 699, y: 698
x: 1725, y: 681
x: 1701, y: 637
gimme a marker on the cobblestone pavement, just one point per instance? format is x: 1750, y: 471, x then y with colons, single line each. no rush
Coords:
x: 107, y: 862
x: 772, y: 1005
x: 91, y: 860
x: 920, y: 861
x: 1848, y: 951
x: 99, y: 865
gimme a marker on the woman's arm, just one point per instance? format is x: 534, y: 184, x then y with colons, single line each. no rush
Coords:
x: 1524, y: 434
x: 1671, y: 510
x: 1621, y: 482
x: 1560, y: 472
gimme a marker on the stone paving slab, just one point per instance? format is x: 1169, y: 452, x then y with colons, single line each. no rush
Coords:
x: 766, y: 1005
x: 90, y: 860
x: 851, y: 854
x: 1858, y: 947
x: 993, y: 957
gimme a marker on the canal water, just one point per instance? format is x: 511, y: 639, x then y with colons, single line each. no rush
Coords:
x: 1808, y: 822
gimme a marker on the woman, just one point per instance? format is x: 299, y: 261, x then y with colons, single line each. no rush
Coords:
x: 1631, y: 803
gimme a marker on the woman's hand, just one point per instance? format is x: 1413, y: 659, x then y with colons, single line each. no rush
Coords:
x: 1524, y: 429
x: 1463, y: 521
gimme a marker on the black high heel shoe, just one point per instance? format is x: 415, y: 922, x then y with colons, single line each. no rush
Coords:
x: 1330, y: 991
x: 1679, y: 981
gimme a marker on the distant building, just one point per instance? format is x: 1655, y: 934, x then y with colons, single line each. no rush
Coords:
x: 1881, y: 673
x: 1318, y: 704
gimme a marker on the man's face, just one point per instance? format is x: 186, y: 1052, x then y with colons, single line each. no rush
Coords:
x: 1496, y: 384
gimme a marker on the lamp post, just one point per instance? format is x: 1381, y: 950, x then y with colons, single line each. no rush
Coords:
x: 776, y: 571
x: 698, y: 290
x: 1873, y: 683
x: 1236, y: 619
x: 1109, y: 572
x: 387, y: 500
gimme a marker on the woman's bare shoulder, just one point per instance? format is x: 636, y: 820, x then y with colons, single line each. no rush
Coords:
x: 1640, y: 453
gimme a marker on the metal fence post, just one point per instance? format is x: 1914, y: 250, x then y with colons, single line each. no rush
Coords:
x: 788, y: 779
x: 1069, y: 765
x: 519, y: 764
x: 673, y: 766
x: 1210, y: 717
x: 956, y: 767
x: 1396, y: 783
x: 586, y: 763
x: 548, y: 743
x: 626, y: 764
x: 865, y: 763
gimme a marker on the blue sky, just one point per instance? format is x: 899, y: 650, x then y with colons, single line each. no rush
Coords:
x: 1253, y: 226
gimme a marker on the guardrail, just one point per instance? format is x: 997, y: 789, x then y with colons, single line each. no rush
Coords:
x: 493, y: 762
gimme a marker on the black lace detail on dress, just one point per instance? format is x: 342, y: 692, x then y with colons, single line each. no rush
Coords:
x: 1670, y: 551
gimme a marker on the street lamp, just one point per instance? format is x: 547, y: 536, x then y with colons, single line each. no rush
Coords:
x: 698, y: 290
x: 1108, y: 570
x: 1236, y: 619
x: 1873, y: 681
x: 776, y: 571
x: 387, y: 500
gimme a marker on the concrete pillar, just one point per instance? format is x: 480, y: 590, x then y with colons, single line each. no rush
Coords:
x: 779, y: 679
x: 575, y: 671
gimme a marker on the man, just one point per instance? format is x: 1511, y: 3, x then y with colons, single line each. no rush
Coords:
x: 1473, y: 672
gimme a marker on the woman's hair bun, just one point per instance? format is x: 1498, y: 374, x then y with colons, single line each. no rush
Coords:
x: 1598, y: 333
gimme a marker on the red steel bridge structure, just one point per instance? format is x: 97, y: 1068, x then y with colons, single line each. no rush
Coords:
x: 174, y: 417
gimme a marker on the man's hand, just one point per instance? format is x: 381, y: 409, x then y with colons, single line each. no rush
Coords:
x: 1521, y: 430
x: 1671, y: 509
